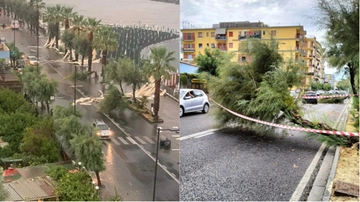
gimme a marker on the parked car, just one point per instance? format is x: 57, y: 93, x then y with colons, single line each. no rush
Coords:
x: 193, y: 100
x: 20, y: 64
x: 310, y: 97
x: 104, y: 131
x: 32, y: 60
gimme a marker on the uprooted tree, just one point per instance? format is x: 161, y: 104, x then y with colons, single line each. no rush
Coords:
x: 260, y: 89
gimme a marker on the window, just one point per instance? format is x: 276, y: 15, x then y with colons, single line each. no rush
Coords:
x: 199, y: 34
x: 212, y: 34
x: 230, y: 34
x: 230, y: 45
x: 212, y: 45
x: 197, y: 93
x: 207, y: 45
x: 207, y: 34
x: 273, y: 32
x: 200, y: 45
x: 263, y: 32
x: 243, y: 59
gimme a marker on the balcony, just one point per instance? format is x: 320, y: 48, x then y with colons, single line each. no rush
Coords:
x: 223, y: 49
x: 188, y: 38
x: 310, y: 71
x: 220, y: 37
x: 188, y: 49
x: 254, y: 36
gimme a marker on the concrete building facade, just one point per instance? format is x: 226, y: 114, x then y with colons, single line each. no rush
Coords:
x: 228, y: 37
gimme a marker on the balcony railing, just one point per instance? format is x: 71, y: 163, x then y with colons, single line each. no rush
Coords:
x: 310, y: 70
x: 188, y: 38
x: 220, y: 37
x: 188, y: 49
x: 256, y: 36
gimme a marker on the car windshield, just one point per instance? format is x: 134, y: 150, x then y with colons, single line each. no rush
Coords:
x: 182, y: 93
x: 103, y: 127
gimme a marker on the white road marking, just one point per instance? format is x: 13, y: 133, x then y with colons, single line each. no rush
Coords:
x: 114, y: 140
x: 131, y: 140
x: 149, y: 140
x: 198, y: 134
x: 204, y: 135
x: 123, y: 140
x: 140, y: 140
x: 305, y: 179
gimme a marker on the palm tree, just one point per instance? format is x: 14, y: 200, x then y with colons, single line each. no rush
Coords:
x: 81, y: 45
x: 105, y: 40
x: 159, y: 67
x: 78, y: 26
x: 88, y: 151
x: 54, y: 15
x: 92, y: 25
x: 68, y: 16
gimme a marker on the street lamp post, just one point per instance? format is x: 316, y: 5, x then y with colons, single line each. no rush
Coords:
x: 37, y: 38
x: 159, y: 129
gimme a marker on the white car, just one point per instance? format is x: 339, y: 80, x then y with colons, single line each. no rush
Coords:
x: 32, y: 60
x: 104, y: 131
x: 193, y: 100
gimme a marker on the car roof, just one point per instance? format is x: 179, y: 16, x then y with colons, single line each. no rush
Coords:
x: 100, y: 122
x: 189, y: 89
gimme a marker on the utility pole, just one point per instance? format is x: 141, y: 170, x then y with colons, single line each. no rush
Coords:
x: 37, y: 36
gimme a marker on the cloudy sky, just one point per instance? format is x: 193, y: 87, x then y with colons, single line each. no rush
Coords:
x: 204, y: 13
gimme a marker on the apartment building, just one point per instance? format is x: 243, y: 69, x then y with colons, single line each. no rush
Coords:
x: 228, y: 36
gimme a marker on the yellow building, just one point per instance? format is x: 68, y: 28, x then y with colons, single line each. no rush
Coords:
x: 227, y: 36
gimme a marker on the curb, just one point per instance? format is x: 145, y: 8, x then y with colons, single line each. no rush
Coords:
x: 172, y: 97
x: 322, y: 187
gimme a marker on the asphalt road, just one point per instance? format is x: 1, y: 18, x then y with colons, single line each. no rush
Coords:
x: 129, y: 154
x: 238, y: 165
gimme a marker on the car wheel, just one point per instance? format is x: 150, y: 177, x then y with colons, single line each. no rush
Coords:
x: 205, y: 108
x: 181, y: 111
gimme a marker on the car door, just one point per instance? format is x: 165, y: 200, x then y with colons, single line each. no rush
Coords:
x: 189, y: 103
x: 199, y: 97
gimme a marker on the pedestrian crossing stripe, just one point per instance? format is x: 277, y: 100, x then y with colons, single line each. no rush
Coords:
x: 134, y: 140
x: 123, y: 140
x: 149, y: 140
x: 131, y: 140
x: 140, y: 140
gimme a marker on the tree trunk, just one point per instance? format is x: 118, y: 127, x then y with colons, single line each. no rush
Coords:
x: 98, y: 178
x: 134, y: 89
x: 352, y: 78
x: 82, y: 60
x: 157, y: 98
x: 70, y: 49
x: 57, y: 35
x: 90, y: 50
x: 76, y: 56
x: 104, y: 56
x: 297, y: 119
x: 48, y: 107
x: 121, y: 88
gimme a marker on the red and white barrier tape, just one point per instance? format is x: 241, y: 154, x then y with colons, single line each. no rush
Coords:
x: 326, y: 96
x: 289, y: 127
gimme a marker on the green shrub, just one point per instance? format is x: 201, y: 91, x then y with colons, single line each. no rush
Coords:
x: 56, y: 172
x: 332, y: 100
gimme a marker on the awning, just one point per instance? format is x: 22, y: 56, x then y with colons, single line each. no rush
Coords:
x: 220, y: 31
